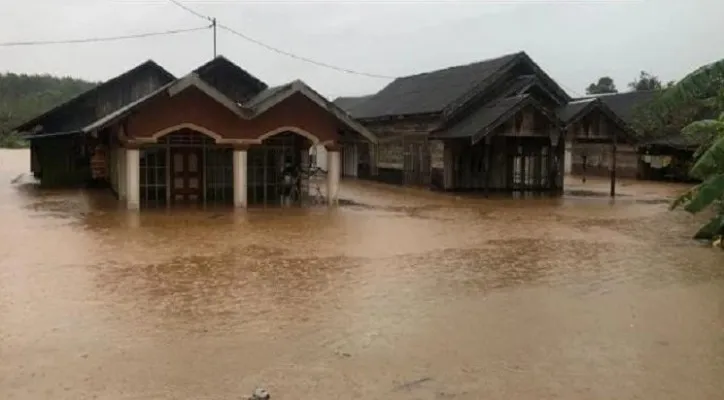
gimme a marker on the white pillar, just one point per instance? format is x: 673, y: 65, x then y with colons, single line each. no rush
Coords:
x: 333, y: 171
x: 240, y: 191
x: 122, y: 174
x: 133, y: 187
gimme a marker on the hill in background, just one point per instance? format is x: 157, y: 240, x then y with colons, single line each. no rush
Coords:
x: 23, y: 97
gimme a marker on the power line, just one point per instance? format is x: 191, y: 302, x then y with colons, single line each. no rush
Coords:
x: 192, y: 11
x: 302, y: 58
x: 102, y: 39
x: 277, y: 50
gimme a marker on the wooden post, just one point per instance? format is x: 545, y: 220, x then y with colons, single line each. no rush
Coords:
x: 613, y: 166
x: 487, y: 163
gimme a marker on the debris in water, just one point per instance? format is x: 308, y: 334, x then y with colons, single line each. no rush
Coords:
x: 260, y: 394
x: 412, y: 384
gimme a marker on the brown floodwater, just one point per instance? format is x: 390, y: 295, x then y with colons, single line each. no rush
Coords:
x: 398, y: 294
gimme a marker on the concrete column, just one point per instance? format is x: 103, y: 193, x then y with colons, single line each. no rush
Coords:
x: 133, y: 187
x: 240, y: 182
x: 333, y: 172
x: 122, y: 174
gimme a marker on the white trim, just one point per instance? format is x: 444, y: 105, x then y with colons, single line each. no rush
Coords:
x: 302, y: 88
x: 193, y: 80
x: 315, y: 140
x: 186, y: 125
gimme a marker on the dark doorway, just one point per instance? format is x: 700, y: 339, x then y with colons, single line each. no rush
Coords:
x: 186, y: 175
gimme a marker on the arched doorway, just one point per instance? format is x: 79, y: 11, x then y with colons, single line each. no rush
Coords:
x: 185, y: 166
x: 279, y: 170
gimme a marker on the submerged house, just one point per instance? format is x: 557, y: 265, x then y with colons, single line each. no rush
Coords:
x: 592, y: 160
x: 216, y: 135
x: 496, y: 125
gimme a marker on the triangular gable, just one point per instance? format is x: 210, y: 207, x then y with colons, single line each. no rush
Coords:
x: 249, y: 110
x: 557, y: 93
x: 235, y: 82
x: 486, y: 119
x: 576, y: 110
x: 274, y: 96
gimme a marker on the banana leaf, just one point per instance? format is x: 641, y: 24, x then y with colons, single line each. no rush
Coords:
x: 704, y: 194
x: 713, y: 228
x: 711, y: 161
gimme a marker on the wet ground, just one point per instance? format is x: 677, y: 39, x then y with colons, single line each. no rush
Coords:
x: 401, y: 294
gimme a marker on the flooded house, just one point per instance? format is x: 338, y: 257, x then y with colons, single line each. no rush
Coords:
x: 496, y: 125
x: 218, y: 135
x: 595, y: 160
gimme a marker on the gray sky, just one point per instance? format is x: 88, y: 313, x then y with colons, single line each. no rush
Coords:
x: 573, y: 41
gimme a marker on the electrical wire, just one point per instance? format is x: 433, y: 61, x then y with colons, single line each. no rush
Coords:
x: 302, y: 58
x: 192, y: 11
x: 280, y: 51
x: 102, y: 39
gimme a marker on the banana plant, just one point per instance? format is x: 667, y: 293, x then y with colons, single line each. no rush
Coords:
x: 705, y: 86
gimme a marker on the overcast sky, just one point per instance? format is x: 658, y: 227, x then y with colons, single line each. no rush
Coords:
x: 573, y: 41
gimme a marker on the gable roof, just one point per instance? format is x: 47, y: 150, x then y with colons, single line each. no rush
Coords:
x: 247, y: 110
x: 485, y: 119
x: 273, y: 96
x: 625, y: 104
x: 444, y: 90
x: 149, y: 65
x: 577, y: 109
x: 349, y: 103
x: 429, y: 92
x: 232, y: 80
x: 170, y: 89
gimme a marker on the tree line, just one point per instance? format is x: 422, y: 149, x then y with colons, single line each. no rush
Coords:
x: 24, y: 96
x: 644, y: 82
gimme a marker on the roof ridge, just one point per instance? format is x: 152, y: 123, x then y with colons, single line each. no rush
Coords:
x: 451, y: 67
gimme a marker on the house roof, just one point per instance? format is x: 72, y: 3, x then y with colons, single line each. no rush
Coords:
x: 247, y: 110
x: 445, y: 90
x: 145, y: 66
x: 230, y: 79
x: 270, y: 97
x: 481, y: 122
x: 570, y: 112
x: 675, y: 141
x: 429, y: 92
x: 223, y: 81
x: 625, y: 104
x: 577, y: 109
x: 349, y: 103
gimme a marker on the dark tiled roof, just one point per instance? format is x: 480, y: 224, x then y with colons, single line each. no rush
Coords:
x: 573, y: 109
x: 521, y: 84
x: 429, y: 92
x: 266, y: 94
x: 625, y: 104
x: 676, y: 141
x: 484, y: 118
x: 230, y: 79
x: 350, y: 103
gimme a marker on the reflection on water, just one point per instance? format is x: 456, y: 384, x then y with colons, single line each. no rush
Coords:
x: 398, y: 294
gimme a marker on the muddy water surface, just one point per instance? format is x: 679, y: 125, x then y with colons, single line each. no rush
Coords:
x: 402, y: 294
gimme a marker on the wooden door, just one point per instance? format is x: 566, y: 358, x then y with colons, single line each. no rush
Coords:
x: 186, y: 175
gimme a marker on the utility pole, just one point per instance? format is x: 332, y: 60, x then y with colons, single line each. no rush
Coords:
x: 213, y: 25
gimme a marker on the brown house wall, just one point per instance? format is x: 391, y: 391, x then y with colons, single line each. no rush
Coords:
x: 193, y: 106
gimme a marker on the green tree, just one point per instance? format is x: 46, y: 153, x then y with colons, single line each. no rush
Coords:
x: 644, y: 82
x: 604, y: 85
